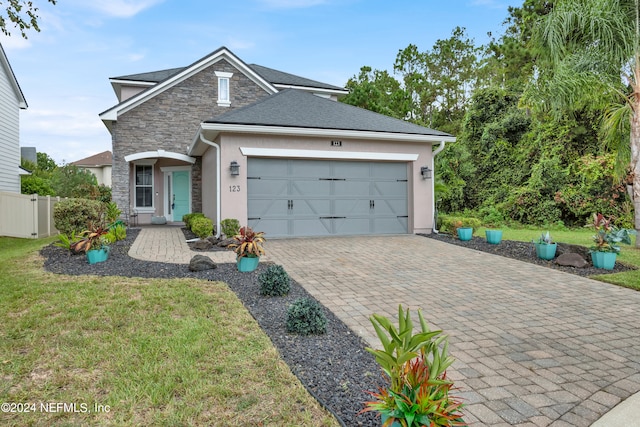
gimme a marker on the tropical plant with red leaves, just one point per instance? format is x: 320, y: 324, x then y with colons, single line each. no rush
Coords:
x: 608, y: 237
x: 93, y: 238
x: 421, y: 401
x: 249, y: 243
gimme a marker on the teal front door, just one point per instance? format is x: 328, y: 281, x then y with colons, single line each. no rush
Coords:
x: 180, y: 197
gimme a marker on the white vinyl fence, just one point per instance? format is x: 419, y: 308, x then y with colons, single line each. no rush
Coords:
x: 27, y: 216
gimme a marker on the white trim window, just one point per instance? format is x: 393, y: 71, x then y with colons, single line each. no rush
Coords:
x: 143, y: 186
x: 224, y: 88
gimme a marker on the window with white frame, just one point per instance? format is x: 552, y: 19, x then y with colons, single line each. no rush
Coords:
x: 143, y: 186
x: 224, y: 91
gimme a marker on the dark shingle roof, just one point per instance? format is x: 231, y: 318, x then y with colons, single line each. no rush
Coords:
x: 296, y: 108
x: 276, y: 77
x: 100, y: 159
x: 152, y: 76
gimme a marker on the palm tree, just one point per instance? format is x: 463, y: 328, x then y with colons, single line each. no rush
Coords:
x: 594, y: 49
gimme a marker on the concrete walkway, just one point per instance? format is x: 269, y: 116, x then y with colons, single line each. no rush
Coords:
x: 533, y: 346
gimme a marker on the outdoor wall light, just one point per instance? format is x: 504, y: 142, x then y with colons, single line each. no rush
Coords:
x: 235, y: 168
x: 425, y: 172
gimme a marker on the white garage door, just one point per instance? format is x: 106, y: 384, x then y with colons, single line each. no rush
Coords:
x: 323, y: 198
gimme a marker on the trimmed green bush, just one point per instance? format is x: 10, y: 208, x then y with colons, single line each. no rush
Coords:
x: 117, y: 232
x: 230, y: 227
x: 201, y: 226
x: 74, y: 215
x: 274, y: 281
x: 188, y: 218
x: 305, y: 317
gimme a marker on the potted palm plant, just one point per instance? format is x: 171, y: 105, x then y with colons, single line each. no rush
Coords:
x: 607, y: 241
x: 545, y: 247
x: 415, y: 365
x: 248, y: 248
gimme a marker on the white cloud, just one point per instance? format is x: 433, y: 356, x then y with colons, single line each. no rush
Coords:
x: 292, y: 4
x: 237, y: 44
x: 124, y: 8
x: 14, y: 42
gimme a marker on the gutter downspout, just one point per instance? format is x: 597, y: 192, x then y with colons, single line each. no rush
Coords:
x: 218, y: 177
x: 433, y: 184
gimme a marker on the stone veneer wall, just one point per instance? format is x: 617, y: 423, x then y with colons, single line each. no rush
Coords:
x: 170, y: 120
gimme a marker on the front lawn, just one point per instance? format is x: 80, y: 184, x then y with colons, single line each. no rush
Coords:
x: 121, y: 351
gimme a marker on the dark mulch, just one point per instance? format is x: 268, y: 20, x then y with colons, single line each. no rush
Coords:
x: 526, y: 252
x: 334, y: 367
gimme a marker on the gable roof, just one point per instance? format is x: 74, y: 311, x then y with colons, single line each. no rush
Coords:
x: 223, y: 53
x: 4, y: 63
x: 101, y: 159
x: 299, y: 109
x: 282, y: 79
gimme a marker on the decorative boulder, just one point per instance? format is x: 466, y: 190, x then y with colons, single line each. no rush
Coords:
x: 201, y: 262
x: 572, y: 259
x: 225, y: 242
x: 576, y: 249
x: 202, y: 245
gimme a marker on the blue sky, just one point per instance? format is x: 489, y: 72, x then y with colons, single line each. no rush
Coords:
x: 64, y: 70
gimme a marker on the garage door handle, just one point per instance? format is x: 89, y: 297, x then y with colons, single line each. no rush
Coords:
x: 332, y: 179
x: 333, y: 217
x: 372, y: 204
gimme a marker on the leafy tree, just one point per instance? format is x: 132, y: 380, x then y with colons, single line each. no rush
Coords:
x: 594, y: 46
x: 440, y: 81
x: 22, y: 14
x: 378, y: 91
x: 72, y: 181
x: 32, y: 184
x: 45, y: 163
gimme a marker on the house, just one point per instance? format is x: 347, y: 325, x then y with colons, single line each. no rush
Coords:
x: 99, y: 165
x: 11, y: 102
x: 274, y: 150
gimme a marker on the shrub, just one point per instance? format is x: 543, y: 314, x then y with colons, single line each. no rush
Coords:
x: 117, y: 232
x: 201, y: 226
x: 188, y: 218
x: 112, y: 212
x: 450, y: 223
x: 274, y: 281
x: 230, y: 227
x: 305, y: 317
x: 74, y: 215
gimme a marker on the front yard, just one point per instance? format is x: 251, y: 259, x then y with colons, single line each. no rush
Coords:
x: 120, y: 351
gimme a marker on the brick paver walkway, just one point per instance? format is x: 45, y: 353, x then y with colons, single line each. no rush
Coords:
x: 533, y: 346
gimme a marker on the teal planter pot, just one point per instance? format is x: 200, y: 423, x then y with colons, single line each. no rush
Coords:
x: 247, y: 264
x: 606, y: 260
x: 494, y: 236
x: 546, y: 250
x: 98, y: 255
x: 465, y: 233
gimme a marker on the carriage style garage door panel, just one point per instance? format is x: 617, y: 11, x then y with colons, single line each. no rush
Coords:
x: 322, y: 198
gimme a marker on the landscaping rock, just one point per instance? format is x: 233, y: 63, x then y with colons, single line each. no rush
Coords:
x: 564, y: 248
x: 202, y: 245
x: 201, y: 262
x: 572, y: 259
x: 225, y: 242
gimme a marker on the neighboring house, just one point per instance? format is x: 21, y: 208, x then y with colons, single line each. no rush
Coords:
x: 11, y: 102
x: 274, y: 150
x: 100, y: 165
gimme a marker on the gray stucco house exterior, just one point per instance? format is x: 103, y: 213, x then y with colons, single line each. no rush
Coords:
x: 276, y: 151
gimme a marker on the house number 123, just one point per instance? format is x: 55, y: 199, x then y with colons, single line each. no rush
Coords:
x: 234, y: 188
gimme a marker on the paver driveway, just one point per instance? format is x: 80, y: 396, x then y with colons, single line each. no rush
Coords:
x: 533, y: 346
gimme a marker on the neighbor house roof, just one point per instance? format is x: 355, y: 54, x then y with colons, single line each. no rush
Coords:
x: 4, y: 63
x: 296, y: 108
x: 101, y: 159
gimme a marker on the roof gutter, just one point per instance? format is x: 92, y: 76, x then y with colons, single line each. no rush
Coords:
x: 218, y: 184
x: 433, y: 185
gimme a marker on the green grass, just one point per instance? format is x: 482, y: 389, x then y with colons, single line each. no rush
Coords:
x: 629, y: 254
x: 155, y: 352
